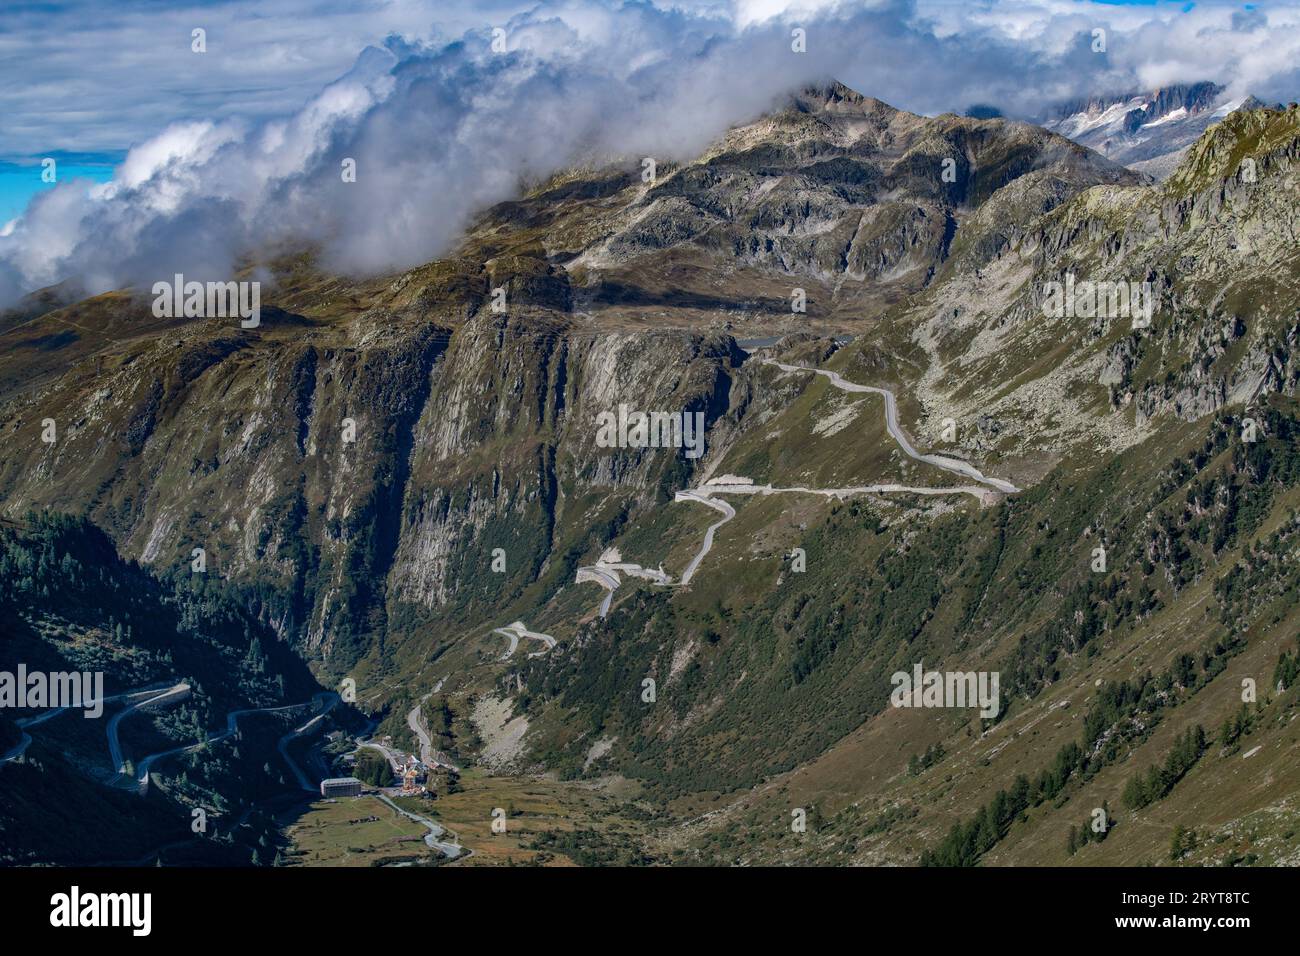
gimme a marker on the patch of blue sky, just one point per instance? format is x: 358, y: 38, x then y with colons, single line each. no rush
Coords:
x: 20, y: 180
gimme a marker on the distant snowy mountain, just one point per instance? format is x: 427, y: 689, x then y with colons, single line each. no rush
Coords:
x: 1148, y: 132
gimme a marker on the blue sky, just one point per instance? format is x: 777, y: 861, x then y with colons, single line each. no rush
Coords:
x: 19, y: 182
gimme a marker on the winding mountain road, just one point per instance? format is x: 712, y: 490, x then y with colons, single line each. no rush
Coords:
x: 162, y: 694
x: 954, y: 465
x: 19, y: 749
x: 517, y: 630
x: 605, y: 572
x: 428, y: 755
x: 609, y: 580
x: 173, y: 694
x: 606, y: 575
x: 26, y: 722
x: 705, y: 493
x: 449, y: 850
x: 728, y: 512
x: 748, y: 488
x: 325, y: 700
x: 309, y: 727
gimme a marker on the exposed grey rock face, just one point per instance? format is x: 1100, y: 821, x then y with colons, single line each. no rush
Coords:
x: 839, y: 186
x: 1203, y: 245
x: 1148, y: 132
x: 487, y: 431
x: 507, y: 439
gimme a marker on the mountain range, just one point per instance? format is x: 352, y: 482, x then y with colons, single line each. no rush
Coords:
x: 1149, y: 132
x: 388, y: 473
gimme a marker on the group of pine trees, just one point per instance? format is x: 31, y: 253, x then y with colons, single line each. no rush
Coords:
x: 1234, y: 727
x: 1115, y: 703
x: 1287, y: 670
x: 922, y: 762
x: 372, y: 767
x: 1184, y: 841
x: 967, y: 842
x: 1093, y: 830
x: 1151, y: 785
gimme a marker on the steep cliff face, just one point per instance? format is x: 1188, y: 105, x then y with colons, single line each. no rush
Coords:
x: 319, y: 465
x: 505, y: 454
x: 278, y: 453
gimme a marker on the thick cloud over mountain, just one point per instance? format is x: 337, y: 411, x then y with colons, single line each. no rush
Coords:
x: 440, y: 129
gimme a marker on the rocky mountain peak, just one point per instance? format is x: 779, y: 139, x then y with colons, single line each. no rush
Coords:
x: 832, y: 95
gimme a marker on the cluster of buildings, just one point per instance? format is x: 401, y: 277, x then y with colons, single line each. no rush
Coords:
x: 412, y: 772
x: 415, y: 777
